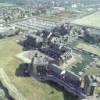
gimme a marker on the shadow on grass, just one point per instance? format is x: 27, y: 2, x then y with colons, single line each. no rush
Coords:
x: 20, y: 72
x: 66, y: 95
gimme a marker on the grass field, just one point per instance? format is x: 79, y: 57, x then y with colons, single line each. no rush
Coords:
x: 28, y: 89
x: 63, y: 16
x: 86, y: 59
x: 93, y: 70
x: 89, y: 48
x: 90, y: 20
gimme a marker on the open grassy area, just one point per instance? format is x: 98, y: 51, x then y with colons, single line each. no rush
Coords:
x: 89, y: 48
x: 92, y: 71
x: 86, y: 59
x: 59, y: 17
x: 90, y: 20
x: 28, y: 88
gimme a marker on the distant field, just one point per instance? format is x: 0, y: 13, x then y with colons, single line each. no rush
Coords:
x: 6, y: 5
x: 90, y: 20
x: 60, y: 17
x: 29, y: 89
x: 89, y: 48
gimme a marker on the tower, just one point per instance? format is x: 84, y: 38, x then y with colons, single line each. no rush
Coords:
x: 89, y: 85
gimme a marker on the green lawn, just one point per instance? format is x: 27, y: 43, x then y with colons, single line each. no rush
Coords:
x: 93, y: 70
x: 31, y: 90
x: 89, y: 20
x: 89, y: 48
x: 86, y: 59
x: 63, y: 16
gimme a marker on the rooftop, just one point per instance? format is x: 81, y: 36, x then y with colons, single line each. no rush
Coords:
x: 27, y: 56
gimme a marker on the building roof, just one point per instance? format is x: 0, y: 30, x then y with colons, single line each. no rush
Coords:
x: 39, y: 59
x: 38, y: 38
x: 27, y: 57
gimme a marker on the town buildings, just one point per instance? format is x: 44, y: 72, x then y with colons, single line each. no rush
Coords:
x: 45, y: 60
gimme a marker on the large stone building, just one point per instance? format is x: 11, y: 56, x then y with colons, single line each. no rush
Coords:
x: 46, y: 58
